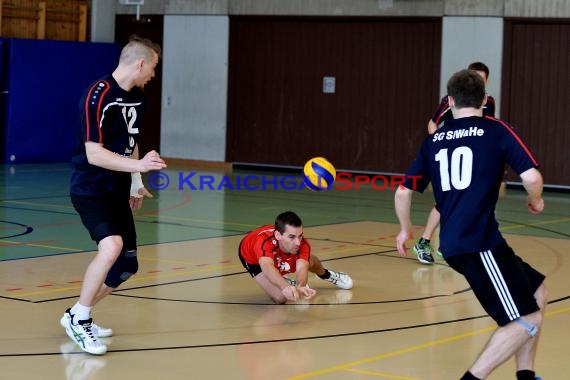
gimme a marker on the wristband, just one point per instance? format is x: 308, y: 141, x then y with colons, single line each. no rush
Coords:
x: 136, y: 184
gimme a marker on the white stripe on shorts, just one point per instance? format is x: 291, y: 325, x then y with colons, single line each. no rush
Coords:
x: 498, y: 281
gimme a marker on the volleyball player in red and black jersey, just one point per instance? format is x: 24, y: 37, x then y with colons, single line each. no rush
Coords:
x: 270, y: 252
x: 464, y: 160
x: 106, y: 184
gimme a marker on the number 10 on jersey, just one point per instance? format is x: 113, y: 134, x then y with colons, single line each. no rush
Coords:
x: 461, y: 168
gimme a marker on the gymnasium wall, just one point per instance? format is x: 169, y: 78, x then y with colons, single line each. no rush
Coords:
x: 194, y: 99
x: 46, y: 80
x: 438, y: 8
x: 536, y: 91
x: 469, y: 39
x: 385, y: 73
x: 471, y: 30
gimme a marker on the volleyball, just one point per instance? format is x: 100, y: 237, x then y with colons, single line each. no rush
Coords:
x: 319, y: 174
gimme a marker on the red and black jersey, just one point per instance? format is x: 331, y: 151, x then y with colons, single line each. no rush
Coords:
x: 112, y: 117
x: 261, y: 242
x: 443, y: 112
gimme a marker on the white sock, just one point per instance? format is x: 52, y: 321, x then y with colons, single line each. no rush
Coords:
x: 80, y: 313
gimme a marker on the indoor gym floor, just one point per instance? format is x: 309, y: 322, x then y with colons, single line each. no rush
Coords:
x: 192, y: 312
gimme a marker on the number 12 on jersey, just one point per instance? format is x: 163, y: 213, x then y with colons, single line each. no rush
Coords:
x: 461, y: 168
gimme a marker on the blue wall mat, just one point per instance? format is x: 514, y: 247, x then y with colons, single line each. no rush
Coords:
x: 45, y: 84
x: 3, y: 97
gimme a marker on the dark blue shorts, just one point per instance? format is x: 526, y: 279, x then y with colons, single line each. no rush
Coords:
x: 502, y: 282
x: 106, y: 217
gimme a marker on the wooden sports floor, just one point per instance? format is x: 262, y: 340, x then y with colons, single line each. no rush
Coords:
x: 192, y: 312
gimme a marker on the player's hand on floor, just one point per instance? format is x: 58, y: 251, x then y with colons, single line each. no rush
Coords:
x: 307, y: 292
x: 290, y: 292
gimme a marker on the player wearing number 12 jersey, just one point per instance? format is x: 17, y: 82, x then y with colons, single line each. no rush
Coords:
x: 464, y: 160
x: 106, y: 185
x: 111, y: 116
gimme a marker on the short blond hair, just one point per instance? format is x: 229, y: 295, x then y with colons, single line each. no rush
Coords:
x: 139, y: 47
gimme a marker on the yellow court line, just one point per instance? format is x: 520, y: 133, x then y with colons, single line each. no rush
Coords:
x: 534, y: 224
x: 143, y: 215
x: 19, y: 243
x: 39, y: 203
x: 170, y: 217
x: 378, y: 374
x: 205, y: 269
x: 390, y: 354
x: 166, y: 261
x: 137, y: 278
x: 556, y: 312
x: 408, y: 350
x: 180, y: 218
x: 322, y: 254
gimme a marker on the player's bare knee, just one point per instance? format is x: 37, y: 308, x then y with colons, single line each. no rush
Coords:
x: 111, y: 247
x: 112, y: 242
x: 107, y: 258
x: 541, y: 296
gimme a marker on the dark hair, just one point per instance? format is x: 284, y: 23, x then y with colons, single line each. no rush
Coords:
x: 287, y: 218
x: 467, y: 88
x: 479, y: 66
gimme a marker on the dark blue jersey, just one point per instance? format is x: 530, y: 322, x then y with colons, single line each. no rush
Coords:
x: 443, y: 112
x: 465, y: 160
x: 112, y: 117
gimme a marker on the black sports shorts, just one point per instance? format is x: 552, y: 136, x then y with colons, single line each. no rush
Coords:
x: 502, y: 282
x: 252, y: 269
x: 104, y: 217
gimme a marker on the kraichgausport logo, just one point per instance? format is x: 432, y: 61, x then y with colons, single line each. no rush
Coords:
x: 250, y: 182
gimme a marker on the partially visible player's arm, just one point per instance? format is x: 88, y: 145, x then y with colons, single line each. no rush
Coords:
x: 272, y: 274
x: 135, y: 154
x: 533, y: 184
x: 439, y: 115
x: 302, y: 276
x: 138, y: 191
x: 100, y: 156
x: 403, y: 204
x: 302, y: 272
x: 137, y: 187
x: 432, y: 127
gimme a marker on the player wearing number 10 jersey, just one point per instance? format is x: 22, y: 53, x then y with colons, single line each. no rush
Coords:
x: 464, y: 160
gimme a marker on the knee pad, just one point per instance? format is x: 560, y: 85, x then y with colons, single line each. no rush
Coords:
x: 530, y: 328
x: 125, y: 266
